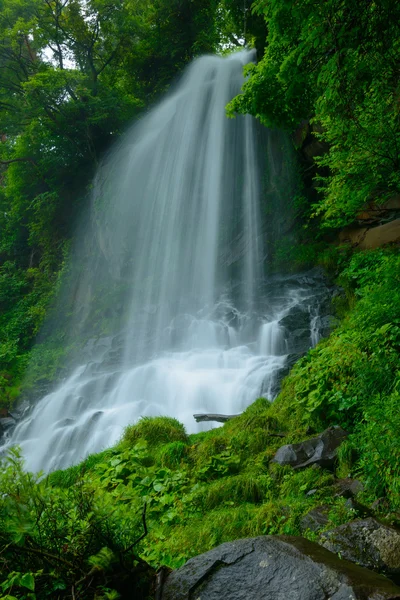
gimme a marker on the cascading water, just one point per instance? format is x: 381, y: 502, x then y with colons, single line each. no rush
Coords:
x: 175, y: 211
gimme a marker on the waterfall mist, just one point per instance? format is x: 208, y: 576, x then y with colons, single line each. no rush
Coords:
x: 176, y: 273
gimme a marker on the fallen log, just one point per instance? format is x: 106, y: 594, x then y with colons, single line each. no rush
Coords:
x: 211, y: 417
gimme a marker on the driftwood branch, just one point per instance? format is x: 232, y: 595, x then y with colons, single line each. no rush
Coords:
x: 212, y: 417
x: 225, y: 418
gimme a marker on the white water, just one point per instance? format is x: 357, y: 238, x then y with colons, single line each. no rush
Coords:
x: 176, y: 214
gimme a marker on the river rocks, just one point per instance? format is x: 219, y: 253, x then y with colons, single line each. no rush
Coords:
x: 275, y: 568
x: 320, y: 450
x: 368, y: 543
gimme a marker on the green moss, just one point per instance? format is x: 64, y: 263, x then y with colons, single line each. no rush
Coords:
x: 155, y: 431
x: 172, y: 454
x: 246, y: 487
x: 68, y: 477
x: 215, y: 486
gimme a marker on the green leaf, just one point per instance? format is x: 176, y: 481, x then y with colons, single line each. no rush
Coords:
x: 28, y: 581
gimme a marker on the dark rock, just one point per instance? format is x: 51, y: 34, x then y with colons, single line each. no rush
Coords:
x: 338, y: 292
x: 316, y: 519
x: 311, y: 277
x: 275, y: 568
x: 380, y: 505
x: 7, y: 423
x: 94, y: 417
x: 359, y: 509
x: 348, y: 488
x: 320, y: 450
x: 368, y: 543
x: 20, y: 410
x: 327, y: 324
x: 297, y: 318
x: 292, y: 360
x: 65, y: 423
x: 299, y: 341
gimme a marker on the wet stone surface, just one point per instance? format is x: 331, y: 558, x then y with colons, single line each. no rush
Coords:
x: 275, y: 568
x: 320, y: 450
x: 368, y: 543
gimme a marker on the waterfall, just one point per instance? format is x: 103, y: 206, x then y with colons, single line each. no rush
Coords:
x: 177, y: 248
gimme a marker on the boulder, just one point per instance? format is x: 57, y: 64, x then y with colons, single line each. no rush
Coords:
x: 367, y: 238
x: 348, y: 488
x: 20, y: 410
x: 275, y: 568
x: 368, y: 543
x: 315, y: 519
x: 298, y: 318
x: 299, y: 341
x: 7, y: 423
x: 320, y: 450
x: 359, y: 510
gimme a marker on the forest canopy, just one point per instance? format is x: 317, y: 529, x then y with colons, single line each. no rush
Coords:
x: 73, y: 75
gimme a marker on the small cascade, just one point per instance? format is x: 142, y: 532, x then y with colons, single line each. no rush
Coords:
x: 315, y: 326
x: 272, y: 339
x: 174, y: 259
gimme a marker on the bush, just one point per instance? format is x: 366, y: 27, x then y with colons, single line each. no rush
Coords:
x: 155, y: 431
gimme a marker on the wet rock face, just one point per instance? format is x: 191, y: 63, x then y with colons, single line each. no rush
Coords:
x: 7, y: 424
x: 320, y: 450
x: 368, y: 543
x: 275, y: 568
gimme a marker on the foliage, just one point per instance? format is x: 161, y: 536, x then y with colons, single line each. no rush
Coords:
x: 338, y: 64
x: 71, y: 538
x: 194, y: 492
x: 336, y: 381
x: 73, y: 74
x: 155, y: 431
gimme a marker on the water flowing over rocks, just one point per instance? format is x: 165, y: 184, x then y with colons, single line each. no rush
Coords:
x: 173, y: 265
x: 90, y: 409
x: 320, y: 450
x: 275, y: 568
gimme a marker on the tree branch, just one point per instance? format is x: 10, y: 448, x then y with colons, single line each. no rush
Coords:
x: 212, y: 417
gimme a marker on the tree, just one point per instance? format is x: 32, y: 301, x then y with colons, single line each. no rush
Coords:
x: 337, y: 62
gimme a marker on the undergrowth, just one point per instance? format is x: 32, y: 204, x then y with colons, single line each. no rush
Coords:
x: 196, y: 491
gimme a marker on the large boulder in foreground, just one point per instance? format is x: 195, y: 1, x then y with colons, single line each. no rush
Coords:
x: 320, y: 450
x: 368, y: 543
x: 275, y: 568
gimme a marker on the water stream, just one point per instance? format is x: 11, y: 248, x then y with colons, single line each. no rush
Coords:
x: 179, y: 245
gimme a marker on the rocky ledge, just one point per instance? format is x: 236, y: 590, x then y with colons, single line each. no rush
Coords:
x: 275, y: 568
